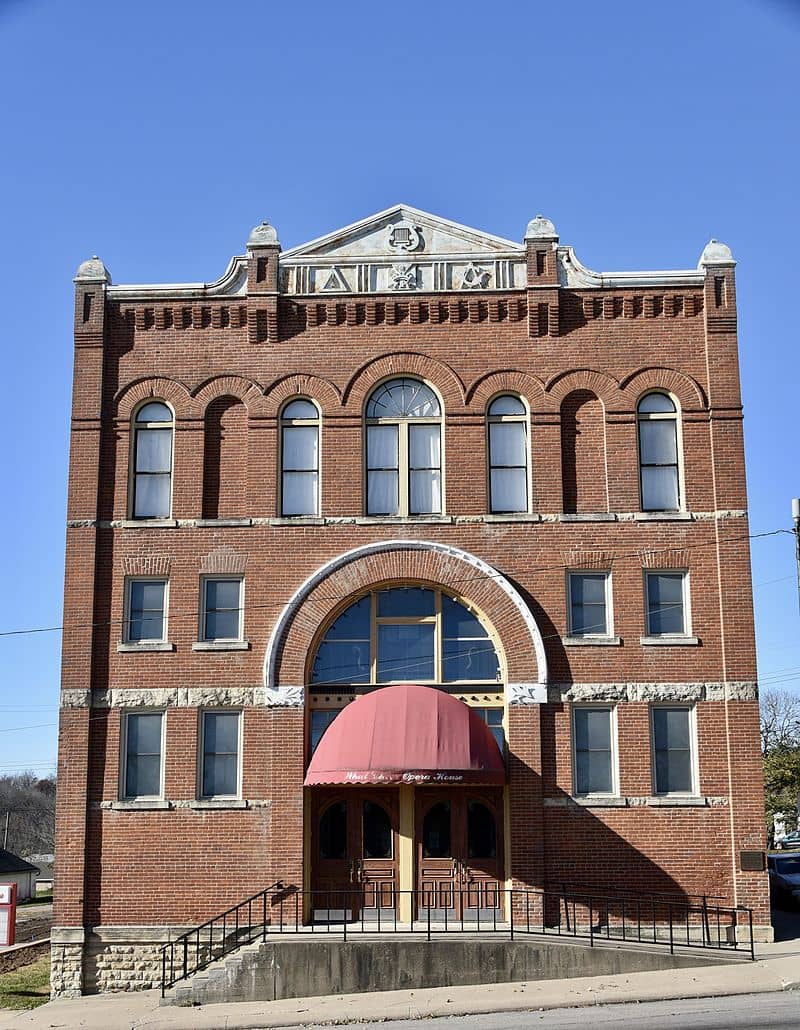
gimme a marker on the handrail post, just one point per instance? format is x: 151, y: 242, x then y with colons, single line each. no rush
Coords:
x: 163, y: 970
x: 591, y: 922
x: 752, y: 942
x: 429, y: 919
x: 511, y: 911
x: 671, y: 941
x: 185, y: 956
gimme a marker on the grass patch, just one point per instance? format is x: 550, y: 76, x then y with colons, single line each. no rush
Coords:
x: 26, y: 987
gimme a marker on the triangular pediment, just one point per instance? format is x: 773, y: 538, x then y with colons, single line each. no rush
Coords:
x: 402, y: 233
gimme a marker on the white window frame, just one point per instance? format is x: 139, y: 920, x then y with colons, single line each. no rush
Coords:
x: 403, y: 425
x: 132, y: 470
x: 526, y: 422
x: 677, y: 418
x: 201, y: 752
x: 126, y: 617
x: 283, y: 422
x: 693, y: 756
x: 687, y: 611
x: 608, y: 634
x: 123, y: 753
x: 216, y: 578
x: 612, y: 710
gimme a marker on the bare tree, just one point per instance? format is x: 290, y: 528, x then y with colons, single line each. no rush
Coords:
x: 30, y: 803
x: 780, y: 720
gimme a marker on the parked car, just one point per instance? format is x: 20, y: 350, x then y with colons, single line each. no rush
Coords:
x: 784, y: 877
x: 791, y: 840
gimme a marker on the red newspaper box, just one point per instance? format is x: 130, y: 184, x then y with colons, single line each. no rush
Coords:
x: 8, y: 913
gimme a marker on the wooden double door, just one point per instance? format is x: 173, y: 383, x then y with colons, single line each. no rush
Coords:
x: 354, y: 853
x: 459, y: 852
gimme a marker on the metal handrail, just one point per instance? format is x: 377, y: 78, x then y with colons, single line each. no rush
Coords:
x: 513, y: 912
x: 679, y: 895
x: 234, y: 934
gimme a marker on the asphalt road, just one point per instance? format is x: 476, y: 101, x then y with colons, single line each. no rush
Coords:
x: 752, y: 1011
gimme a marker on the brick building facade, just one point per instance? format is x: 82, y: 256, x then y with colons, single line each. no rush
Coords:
x: 407, y: 452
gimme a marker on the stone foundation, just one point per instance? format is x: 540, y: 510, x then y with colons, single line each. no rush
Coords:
x: 119, y: 958
x: 66, y: 962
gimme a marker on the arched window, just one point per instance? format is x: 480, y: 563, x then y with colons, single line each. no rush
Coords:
x: 404, y: 449
x: 300, y: 458
x: 508, y: 455
x: 659, y: 478
x: 152, y: 449
x: 406, y: 634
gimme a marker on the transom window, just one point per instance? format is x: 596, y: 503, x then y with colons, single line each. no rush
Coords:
x: 406, y: 634
x: 657, y: 419
x: 299, y: 458
x: 508, y: 455
x: 404, y: 449
x: 152, y: 462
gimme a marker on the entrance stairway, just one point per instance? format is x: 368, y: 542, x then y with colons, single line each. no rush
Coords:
x: 261, y: 949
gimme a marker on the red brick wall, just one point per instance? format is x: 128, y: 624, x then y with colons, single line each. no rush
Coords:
x: 584, y: 363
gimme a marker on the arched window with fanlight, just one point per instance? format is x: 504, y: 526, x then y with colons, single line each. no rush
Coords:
x: 659, y: 458
x: 406, y: 634
x: 300, y: 458
x: 152, y: 461
x: 508, y: 455
x: 404, y: 449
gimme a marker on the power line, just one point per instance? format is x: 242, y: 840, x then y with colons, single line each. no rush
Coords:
x: 610, y: 559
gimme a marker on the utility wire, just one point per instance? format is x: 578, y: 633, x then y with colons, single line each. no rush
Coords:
x: 608, y: 559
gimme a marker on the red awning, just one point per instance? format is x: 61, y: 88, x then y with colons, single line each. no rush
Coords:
x: 407, y: 734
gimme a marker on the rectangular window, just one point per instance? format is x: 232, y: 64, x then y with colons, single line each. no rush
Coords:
x: 142, y: 754
x: 222, y: 609
x: 493, y: 717
x: 588, y: 604
x: 666, y: 604
x: 300, y: 448
x: 220, y: 770
x: 145, y: 609
x: 424, y: 470
x: 321, y: 718
x: 673, y: 765
x: 383, y: 470
x: 594, y: 750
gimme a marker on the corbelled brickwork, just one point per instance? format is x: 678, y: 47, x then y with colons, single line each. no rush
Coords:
x: 580, y: 350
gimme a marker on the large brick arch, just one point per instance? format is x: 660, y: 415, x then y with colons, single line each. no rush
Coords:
x: 302, y: 384
x: 687, y: 390
x: 602, y: 385
x: 245, y: 390
x: 509, y: 380
x: 160, y: 388
x: 325, y: 591
x: 405, y: 363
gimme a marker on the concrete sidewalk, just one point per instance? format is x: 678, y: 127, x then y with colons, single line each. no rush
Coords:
x: 777, y: 968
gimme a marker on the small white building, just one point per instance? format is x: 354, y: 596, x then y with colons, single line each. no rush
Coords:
x: 14, y: 869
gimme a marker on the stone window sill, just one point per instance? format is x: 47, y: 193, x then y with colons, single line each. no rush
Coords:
x: 662, y: 516
x: 149, y: 523
x: 223, y: 522
x: 145, y: 646
x: 510, y: 516
x: 666, y: 641
x: 677, y: 801
x: 298, y: 520
x: 217, y: 803
x: 591, y: 641
x: 221, y: 645
x: 598, y: 516
x: 600, y: 801
x: 403, y: 520
x: 143, y: 805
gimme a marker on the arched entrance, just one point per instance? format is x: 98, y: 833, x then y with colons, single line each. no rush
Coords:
x: 406, y: 803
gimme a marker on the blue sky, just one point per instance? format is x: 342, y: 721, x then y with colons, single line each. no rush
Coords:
x: 156, y: 134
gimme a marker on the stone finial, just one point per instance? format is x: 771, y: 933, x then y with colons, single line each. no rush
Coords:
x: 716, y: 253
x: 263, y: 234
x: 540, y: 228
x: 94, y: 271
